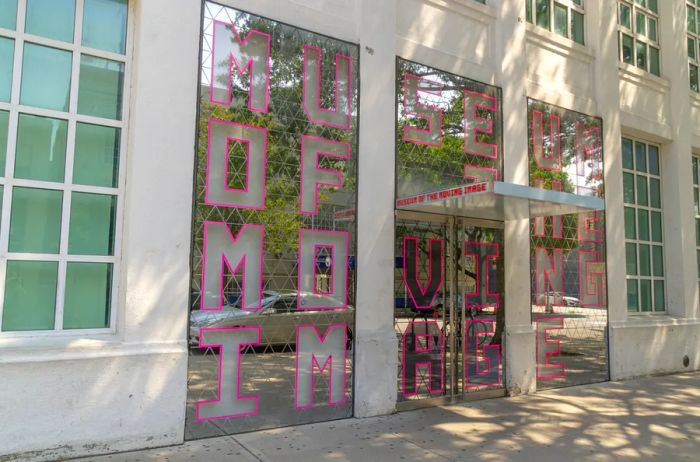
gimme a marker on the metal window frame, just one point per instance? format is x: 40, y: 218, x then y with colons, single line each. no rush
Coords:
x: 14, y: 108
x: 636, y: 37
x: 636, y: 241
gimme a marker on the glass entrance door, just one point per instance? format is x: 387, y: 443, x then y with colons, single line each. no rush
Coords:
x: 448, y: 309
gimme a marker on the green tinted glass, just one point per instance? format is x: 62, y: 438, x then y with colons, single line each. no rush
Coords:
x: 577, y: 26
x: 653, y: 159
x: 528, y: 10
x: 542, y: 13
x: 655, y: 193
x: 641, y: 55
x: 654, y: 61
x: 643, y: 224
x: 631, y: 259
x: 625, y: 16
x: 91, y: 224
x: 627, y: 158
x: 30, y: 295
x: 104, y: 25
x: 641, y: 24
x: 652, y: 29
x: 88, y: 294
x: 640, y: 158
x: 4, y: 123
x: 628, y: 188
x: 8, y: 14
x: 51, y: 18
x: 7, y: 53
x: 690, y: 15
x: 41, y: 148
x: 645, y: 294
x: 657, y: 258
x: 695, y: 170
x: 696, y: 201
x: 100, y: 90
x: 45, y: 77
x: 644, y: 260
x: 561, y: 20
x: 659, y: 296
x: 627, y: 52
x: 642, y: 193
x: 652, y: 6
x: 697, y: 232
x: 691, y: 48
x: 632, y: 295
x: 96, y: 155
x: 630, y: 224
x: 656, y: 227
x: 35, y: 222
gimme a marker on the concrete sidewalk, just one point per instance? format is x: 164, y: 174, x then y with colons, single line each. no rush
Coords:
x: 655, y: 418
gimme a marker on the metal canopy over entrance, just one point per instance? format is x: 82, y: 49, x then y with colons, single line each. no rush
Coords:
x: 499, y: 201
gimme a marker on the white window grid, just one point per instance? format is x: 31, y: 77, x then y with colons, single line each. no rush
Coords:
x: 67, y: 188
x: 693, y: 7
x: 639, y: 8
x: 570, y: 5
x: 649, y: 208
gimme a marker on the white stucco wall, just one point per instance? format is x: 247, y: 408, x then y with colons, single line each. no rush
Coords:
x: 71, y: 395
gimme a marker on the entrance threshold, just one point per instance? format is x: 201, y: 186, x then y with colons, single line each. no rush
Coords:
x: 499, y: 201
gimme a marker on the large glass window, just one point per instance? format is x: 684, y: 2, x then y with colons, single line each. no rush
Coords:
x: 61, y: 162
x: 696, y: 207
x: 568, y: 252
x: 641, y: 179
x: 563, y: 17
x: 638, y: 37
x: 273, y: 259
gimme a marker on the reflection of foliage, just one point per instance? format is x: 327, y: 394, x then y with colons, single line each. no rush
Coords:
x: 285, y: 123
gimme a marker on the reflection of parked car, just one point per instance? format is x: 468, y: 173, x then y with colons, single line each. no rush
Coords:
x: 278, y: 317
x: 557, y: 299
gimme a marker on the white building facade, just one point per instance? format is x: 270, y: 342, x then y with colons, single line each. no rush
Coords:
x: 224, y: 216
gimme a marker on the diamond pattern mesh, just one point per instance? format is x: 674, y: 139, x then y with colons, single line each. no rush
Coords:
x: 268, y: 369
x: 568, y: 253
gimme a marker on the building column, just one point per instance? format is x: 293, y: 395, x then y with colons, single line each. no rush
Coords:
x: 376, y: 346
x: 520, y: 359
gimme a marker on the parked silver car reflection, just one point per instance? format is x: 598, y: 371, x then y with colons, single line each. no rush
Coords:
x: 278, y: 318
x: 557, y: 299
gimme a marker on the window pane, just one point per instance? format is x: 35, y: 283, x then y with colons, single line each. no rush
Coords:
x: 659, y: 297
x: 697, y: 233
x: 645, y: 294
x: 45, y: 77
x: 4, y: 122
x: 41, y: 148
x: 642, y: 194
x: 8, y: 14
x: 695, y: 170
x: 35, y: 222
x: 652, y: 29
x: 528, y: 10
x: 632, y: 295
x: 542, y: 13
x: 691, y: 48
x: 643, y: 224
x: 631, y: 259
x: 644, y: 260
x: 656, y: 227
x: 690, y: 13
x: 653, y: 159
x: 658, y: 260
x: 655, y: 192
x: 641, y: 24
x: 104, y: 25
x: 91, y: 224
x: 652, y: 6
x: 30, y: 295
x: 625, y: 17
x: 627, y: 49
x: 627, y: 159
x: 654, y: 61
x: 88, y: 294
x: 96, y: 155
x: 7, y: 53
x: 561, y: 20
x: 641, y: 53
x: 696, y: 201
x: 630, y: 224
x: 628, y: 188
x: 100, y: 90
x: 640, y: 158
x: 51, y: 18
x: 577, y: 26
